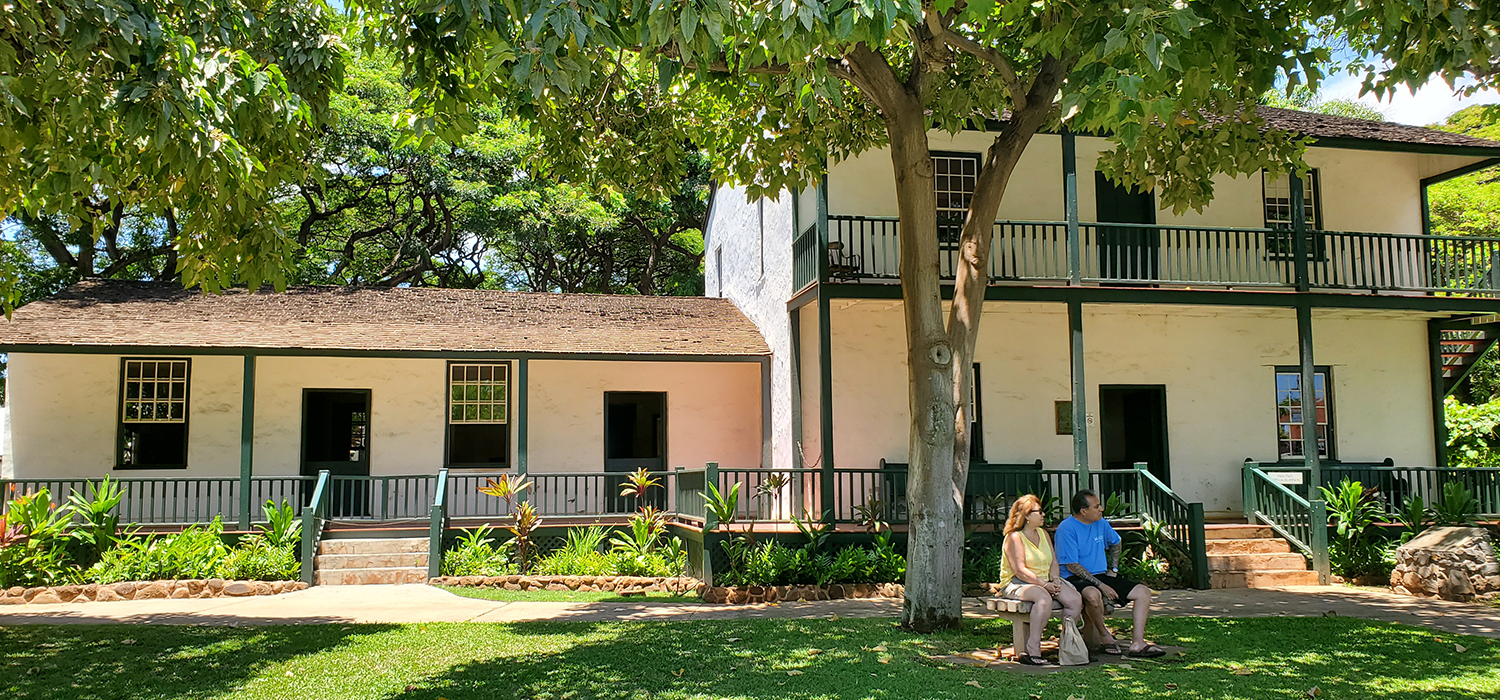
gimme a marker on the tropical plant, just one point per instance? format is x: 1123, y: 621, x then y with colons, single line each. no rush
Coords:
x: 39, y: 518
x: 282, y: 526
x: 982, y: 564
x: 524, y: 523
x: 637, y: 483
x: 257, y: 558
x: 1473, y: 433
x: 1414, y: 518
x: 98, y: 525
x: 476, y: 554
x: 644, y: 531
x: 1356, y: 550
x: 37, y: 551
x: 1153, y: 557
x: 580, y: 555
x: 871, y: 515
x: 1457, y: 506
x: 197, y: 552
x: 814, y: 531
x: 1116, y: 507
x: 508, y: 487
x: 768, y: 492
x: 723, y: 507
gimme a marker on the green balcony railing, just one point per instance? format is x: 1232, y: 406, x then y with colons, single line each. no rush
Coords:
x: 1395, y: 485
x: 864, y: 248
x: 172, y: 500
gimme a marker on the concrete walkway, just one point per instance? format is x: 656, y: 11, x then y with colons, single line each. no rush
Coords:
x: 421, y: 603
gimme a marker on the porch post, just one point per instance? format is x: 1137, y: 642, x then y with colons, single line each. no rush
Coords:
x: 1439, y: 392
x: 247, y: 440
x: 521, y: 416
x: 825, y: 358
x: 765, y: 413
x: 795, y: 318
x: 1080, y: 395
x: 1319, y: 514
x: 1070, y: 207
x: 1299, y: 233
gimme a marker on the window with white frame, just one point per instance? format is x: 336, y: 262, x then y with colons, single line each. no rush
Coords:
x: 478, y: 414
x: 1277, y: 194
x: 1289, y: 407
x: 954, y: 177
x: 153, y: 413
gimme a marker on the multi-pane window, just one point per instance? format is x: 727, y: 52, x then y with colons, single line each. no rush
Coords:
x: 953, y: 179
x: 478, y: 416
x: 153, y: 413
x: 1278, y: 200
x: 1289, y: 407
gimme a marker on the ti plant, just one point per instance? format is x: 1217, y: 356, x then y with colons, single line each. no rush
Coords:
x: 99, y: 525
x: 282, y: 527
x: 525, y: 519
x: 871, y: 515
x: 1456, y: 506
x: 637, y: 484
x: 770, y: 489
x: 1414, y: 518
x: 646, y: 528
x: 816, y: 532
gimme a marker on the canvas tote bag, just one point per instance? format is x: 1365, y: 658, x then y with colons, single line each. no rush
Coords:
x: 1071, y: 651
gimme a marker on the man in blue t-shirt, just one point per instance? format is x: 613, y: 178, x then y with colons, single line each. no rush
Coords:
x: 1090, y: 550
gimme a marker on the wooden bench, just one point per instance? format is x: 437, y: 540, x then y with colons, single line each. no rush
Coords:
x: 1019, y: 614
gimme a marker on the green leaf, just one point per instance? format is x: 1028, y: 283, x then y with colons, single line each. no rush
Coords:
x: 689, y: 22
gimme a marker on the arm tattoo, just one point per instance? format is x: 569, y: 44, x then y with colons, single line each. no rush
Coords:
x: 1078, y: 570
x: 1113, y: 556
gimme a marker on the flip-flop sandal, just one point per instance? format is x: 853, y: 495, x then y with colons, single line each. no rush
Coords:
x: 1112, y: 649
x: 1151, y: 651
x: 1029, y: 660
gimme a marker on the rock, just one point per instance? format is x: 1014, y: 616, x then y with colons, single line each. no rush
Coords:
x: 195, y: 586
x: 67, y: 593
x: 494, y: 581
x: 15, y: 591
x: 572, y: 582
x: 150, y: 591
x: 1492, y: 583
x: 12, y: 600
x: 589, y: 587
x: 277, y: 587
x: 205, y: 593
x: 1456, y: 586
x: 471, y: 580
x: 261, y: 587
x: 737, y: 596
x: 716, y: 595
x: 556, y: 587
x: 30, y: 593
x: 512, y: 586
x: 46, y: 597
x: 181, y: 592
x: 1491, y: 568
x: 214, y: 584
x: 1412, y: 581
x: 83, y: 597
x: 107, y: 594
x: 125, y: 589
x: 238, y: 589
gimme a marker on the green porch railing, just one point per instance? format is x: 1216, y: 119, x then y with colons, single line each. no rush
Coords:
x: 1300, y: 521
x: 868, y: 248
x: 692, y: 493
x: 774, y: 494
x: 1395, y: 484
x: 439, y: 521
x: 381, y: 498
x: 172, y: 500
x: 805, y: 257
x: 314, y: 516
x: 988, y: 494
x: 1182, y: 522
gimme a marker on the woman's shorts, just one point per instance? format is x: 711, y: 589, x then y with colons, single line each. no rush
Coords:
x: 1012, y: 590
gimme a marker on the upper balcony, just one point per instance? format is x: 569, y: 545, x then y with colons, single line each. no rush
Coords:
x: 866, y: 249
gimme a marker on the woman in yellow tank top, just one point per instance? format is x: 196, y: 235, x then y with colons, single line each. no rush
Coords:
x: 1028, y: 571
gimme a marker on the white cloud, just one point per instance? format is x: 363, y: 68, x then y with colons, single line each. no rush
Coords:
x: 1431, y: 104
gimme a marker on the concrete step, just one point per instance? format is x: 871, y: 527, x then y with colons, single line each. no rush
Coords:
x: 1255, y: 546
x: 1256, y: 562
x: 374, y: 546
x: 1237, y: 532
x: 372, y: 561
x: 1262, y: 579
x: 359, y: 577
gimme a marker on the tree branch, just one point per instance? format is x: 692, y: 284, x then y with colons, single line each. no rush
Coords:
x: 1013, y: 84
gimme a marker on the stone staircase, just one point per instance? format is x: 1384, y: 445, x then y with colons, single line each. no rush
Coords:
x: 1253, y: 556
x: 356, y: 561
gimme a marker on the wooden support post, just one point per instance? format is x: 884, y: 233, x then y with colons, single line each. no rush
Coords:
x: 1198, y: 546
x: 825, y: 359
x: 521, y: 406
x: 1080, y: 397
x: 765, y: 413
x: 1300, y: 247
x: 1309, y: 402
x: 795, y: 319
x: 1070, y: 207
x: 247, y: 442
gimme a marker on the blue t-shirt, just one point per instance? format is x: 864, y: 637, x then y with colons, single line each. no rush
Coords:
x: 1084, y: 544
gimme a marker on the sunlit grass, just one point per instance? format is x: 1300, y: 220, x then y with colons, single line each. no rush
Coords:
x: 566, y: 596
x: 746, y: 659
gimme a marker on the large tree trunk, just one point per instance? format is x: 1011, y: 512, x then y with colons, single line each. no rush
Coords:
x: 934, y: 485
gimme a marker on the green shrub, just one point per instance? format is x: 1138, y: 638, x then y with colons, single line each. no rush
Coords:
x: 1473, y: 440
x: 33, y: 543
x: 1456, y: 506
x: 775, y: 564
x: 197, y: 552
x: 580, y: 555
x: 257, y: 558
x: 1356, y: 550
x: 982, y: 564
x: 476, y: 554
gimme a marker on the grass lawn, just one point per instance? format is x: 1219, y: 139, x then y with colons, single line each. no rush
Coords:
x: 566, y: 596
x: 751, y: 660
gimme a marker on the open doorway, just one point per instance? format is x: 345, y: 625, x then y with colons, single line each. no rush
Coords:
x: 1125, y: 252
x: 635, y: 437
x: 336, y: 438
x: 1133, y: 428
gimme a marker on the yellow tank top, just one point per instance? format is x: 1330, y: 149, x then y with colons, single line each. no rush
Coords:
x: 1038, y: 558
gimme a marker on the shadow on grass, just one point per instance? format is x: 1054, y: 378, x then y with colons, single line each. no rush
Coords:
x: 83, y: 662
x: 861, y: 659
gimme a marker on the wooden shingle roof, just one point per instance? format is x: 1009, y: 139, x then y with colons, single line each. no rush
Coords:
x: 1330, y: 127
x: 113, y: 313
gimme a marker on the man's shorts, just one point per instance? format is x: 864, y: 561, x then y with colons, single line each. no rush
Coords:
x: 1123, y: 586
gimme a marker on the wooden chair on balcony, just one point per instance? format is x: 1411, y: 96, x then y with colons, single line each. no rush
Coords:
x: 842, y: 265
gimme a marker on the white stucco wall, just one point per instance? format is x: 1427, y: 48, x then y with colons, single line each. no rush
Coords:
x: 1217, y: 365
x: 750, y: 242
x: 65, y: 417
x: 713, y: 411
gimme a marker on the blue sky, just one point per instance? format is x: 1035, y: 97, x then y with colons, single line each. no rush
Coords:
x: 1429, y: 105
